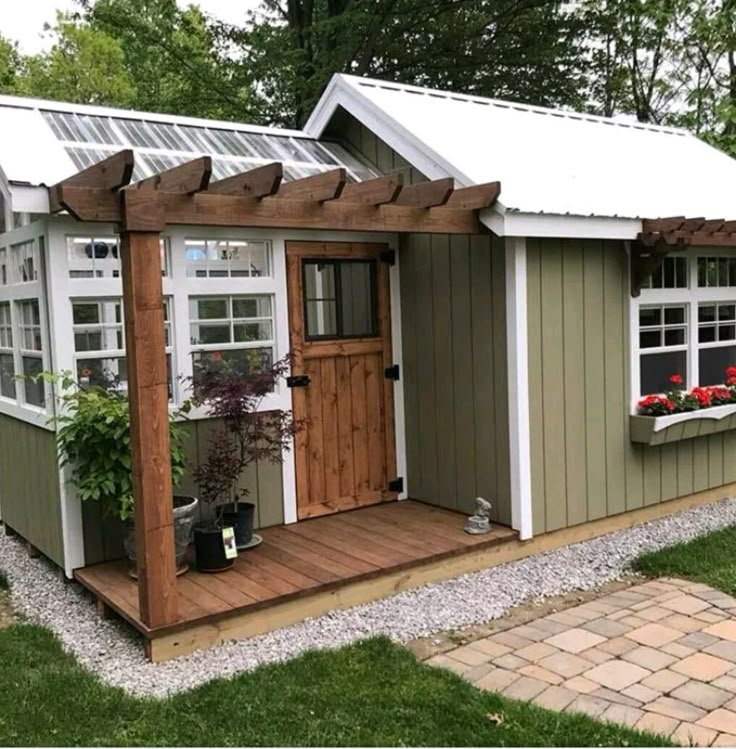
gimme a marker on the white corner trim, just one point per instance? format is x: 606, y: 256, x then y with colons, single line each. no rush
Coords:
x: 518, y: 386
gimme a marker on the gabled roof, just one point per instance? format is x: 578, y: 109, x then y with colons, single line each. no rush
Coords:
x: 548, y: 161
x: 43, y: 142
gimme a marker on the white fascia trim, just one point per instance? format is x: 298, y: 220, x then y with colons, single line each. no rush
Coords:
x: 511, y: 224
x: 403, y: 141
x: 517, y: 347
x: 27, y: 199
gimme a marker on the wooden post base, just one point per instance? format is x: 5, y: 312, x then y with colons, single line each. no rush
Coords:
x: 33, y: 552
x: 103, y: 610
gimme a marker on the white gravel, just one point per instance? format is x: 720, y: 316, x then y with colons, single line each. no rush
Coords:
x: 111, y: 649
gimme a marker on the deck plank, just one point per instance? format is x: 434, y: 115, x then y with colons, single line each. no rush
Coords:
x: 303, y: 560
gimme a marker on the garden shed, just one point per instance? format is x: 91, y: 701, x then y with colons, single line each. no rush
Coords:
x: 469, y: 311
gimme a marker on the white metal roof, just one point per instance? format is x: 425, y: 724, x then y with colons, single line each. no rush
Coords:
x: 548, y: 161
x: 43, y: 142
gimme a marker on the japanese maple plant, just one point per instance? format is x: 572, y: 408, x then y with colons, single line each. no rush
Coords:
x: 246, y: 434
x: 678, y: 400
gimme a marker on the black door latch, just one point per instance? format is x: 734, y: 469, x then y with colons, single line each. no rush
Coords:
x: 298, y: 381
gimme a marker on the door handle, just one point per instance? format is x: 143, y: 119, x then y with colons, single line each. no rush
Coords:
x: 298, y: 381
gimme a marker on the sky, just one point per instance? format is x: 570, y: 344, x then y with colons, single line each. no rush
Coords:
x: 25, y: 22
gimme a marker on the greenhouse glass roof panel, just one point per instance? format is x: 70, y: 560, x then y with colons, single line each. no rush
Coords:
x: 88, y: 139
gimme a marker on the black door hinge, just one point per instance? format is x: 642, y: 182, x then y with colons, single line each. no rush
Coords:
x: 298, y: 381
x: 389, y: 256
x: 397, y: 485
x: 392, y: 372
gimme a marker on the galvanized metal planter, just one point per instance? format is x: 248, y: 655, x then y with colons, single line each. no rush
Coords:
x: 659, y: 430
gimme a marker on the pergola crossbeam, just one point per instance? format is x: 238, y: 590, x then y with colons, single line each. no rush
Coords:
x: 475, y: 197
x: 319, y: 187
x: 255, y: 183
x: 430, y: 194
x: 188, y: 178
x: 378, y: 191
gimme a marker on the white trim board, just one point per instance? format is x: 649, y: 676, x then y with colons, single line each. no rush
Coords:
x: 517, y: 348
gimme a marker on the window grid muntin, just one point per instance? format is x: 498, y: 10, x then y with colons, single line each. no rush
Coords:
x: 716, y: 271
x: 229, y: 321
x: 31, y: 356
x: 209, y: 267
x: 672, y: 268
x: 24, y: 262
x: 7, y: 356
x: 96, y: 266
x: 663, y: 327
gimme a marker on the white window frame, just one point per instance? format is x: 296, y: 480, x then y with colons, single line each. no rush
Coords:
x: 6, y: 350
x: 691, y: 297
x: 221, y: 265
x: 16, y: 271
x: 111, y: 328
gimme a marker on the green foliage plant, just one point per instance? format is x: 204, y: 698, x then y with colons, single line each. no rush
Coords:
x: 93, y: 439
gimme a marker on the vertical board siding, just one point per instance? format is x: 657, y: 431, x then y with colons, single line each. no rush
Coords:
x: 29, y: 485
x: 454, y: 333
x: 584, y: 465
x: 453, y: 317
x: 103, y: 535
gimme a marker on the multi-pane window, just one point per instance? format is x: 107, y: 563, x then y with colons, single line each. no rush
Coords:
x: 671, y: 274
x: 716, y: 272
x: 31, y: 351
x: 98, y: 257
x: 340, y: 299
x: 237, y: 330
x: 24, y: 257
x: 716, y: 341
x: 7, y: 364
x: 217, y: 258
x: 99, y: 343
x: 663, y: 343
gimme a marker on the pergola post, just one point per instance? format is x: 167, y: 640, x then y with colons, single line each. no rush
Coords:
x: 149, y: 406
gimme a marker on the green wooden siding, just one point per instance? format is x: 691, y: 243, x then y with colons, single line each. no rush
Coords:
x: 455, y: 378
x: 103, y: 536
x: 453, y: 317
x: 584, y: 465
x: 29, y: 485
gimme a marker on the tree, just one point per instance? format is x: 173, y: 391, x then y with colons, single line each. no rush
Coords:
x: 84, y: 65
x: 173, y: 56
x: 9, y: 66
x: 526, y: 50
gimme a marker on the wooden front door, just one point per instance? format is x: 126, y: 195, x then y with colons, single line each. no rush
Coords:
x: 341, y: 346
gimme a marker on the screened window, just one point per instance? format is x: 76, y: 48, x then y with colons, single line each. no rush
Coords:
x: 236, y: 330
x: 98, y: 257
x: 340, y: 299
x: 31, y: 351
x: 663, y: 339
x: 215, y: 258
x: 25, y: 262
x: 7, y: 363
x: 716, y: 341
x: 99, y: 343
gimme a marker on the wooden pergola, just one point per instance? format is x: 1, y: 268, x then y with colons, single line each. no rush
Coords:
x: 661, y: 236
x: 256, y: 198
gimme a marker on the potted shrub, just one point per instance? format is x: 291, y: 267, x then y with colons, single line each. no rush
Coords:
x: 93, y: 438
x: 247, y: 435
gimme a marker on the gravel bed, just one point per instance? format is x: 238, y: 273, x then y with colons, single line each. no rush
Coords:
x: 114, y: 652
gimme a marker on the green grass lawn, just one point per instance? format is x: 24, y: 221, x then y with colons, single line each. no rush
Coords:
x: 372, y: 693
x: 710, y: 559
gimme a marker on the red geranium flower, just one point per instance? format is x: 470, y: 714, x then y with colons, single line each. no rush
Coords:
x: 676, y: 379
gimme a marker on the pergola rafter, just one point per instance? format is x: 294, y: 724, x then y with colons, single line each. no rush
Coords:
x: 257, y: 198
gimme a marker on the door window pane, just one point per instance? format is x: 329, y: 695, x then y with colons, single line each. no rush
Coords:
x: 340, y: 298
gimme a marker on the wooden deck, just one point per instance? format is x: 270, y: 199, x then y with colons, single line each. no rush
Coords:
x: 298, y: 571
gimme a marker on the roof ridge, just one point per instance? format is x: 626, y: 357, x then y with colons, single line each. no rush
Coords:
x: 504, y: 104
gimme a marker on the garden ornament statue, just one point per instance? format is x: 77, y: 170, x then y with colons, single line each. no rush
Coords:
x: 480, y: 522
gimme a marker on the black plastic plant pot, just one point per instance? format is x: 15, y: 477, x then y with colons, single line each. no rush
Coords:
x: 210, y: 551
x: 239, y: 515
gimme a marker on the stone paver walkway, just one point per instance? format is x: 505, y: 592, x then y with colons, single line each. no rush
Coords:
x: 659, y: 656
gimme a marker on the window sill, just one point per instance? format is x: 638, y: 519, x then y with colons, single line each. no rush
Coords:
x: 659, y: 430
